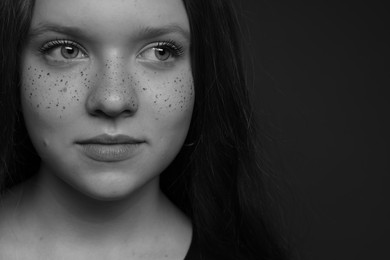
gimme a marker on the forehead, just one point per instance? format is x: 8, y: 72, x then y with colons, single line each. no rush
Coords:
x: 110, y: 18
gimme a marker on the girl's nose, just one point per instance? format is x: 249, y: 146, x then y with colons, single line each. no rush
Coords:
x: 113, y: 94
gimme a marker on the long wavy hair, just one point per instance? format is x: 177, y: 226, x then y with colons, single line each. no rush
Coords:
x: 220, y: 178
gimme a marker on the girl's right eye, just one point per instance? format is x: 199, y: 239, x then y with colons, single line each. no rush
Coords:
x: 63, y: 51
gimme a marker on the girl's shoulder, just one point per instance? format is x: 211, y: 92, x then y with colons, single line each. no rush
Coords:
x: 10, y: 201
x: 11, y: 215
x: 10, y: 198
x: 9, y: 226
x: 196, y: 253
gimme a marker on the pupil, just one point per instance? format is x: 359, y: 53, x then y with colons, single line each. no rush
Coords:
x: 69, y: 52
x: 162, y: 54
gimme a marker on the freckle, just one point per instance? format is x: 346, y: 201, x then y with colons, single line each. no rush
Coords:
x: 170, y: 105
x: 38, y: 105
x: 63, y: 107
x: 144, y: 88
x: 48, y: 74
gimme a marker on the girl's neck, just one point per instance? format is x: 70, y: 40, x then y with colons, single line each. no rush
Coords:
x: 57, y: 208
x: 48, y: 215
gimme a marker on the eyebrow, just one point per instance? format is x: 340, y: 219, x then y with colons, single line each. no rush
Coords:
x: 143, y: 33
x: 44, y: 28
x: 153, y: 32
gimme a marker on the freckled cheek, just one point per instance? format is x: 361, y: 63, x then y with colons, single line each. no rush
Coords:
x: 46, y: 93
x: 174, y: 96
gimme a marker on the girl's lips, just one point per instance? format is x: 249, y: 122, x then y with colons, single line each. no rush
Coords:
x: 111, y: 139
x: 107, y: 148
x: 110, y: 152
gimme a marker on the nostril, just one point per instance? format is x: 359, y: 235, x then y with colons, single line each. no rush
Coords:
x: 112, y: 105
x: 112, y: 113
x: 112, y: 96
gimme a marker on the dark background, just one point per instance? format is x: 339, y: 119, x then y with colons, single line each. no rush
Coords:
x: 321, y: 79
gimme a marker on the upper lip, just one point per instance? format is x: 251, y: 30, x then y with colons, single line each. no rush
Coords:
x: 110, y: 139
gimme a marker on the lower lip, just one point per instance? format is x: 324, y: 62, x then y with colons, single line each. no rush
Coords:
x: 110, y: 152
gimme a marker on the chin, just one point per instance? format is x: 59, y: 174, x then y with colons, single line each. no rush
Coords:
x: 115, y: 186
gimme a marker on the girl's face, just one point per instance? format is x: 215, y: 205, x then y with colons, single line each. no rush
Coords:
x: 107, y: 91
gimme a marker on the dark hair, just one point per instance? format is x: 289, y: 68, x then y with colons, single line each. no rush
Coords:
x: 220, y: 178
x: 15, y: 148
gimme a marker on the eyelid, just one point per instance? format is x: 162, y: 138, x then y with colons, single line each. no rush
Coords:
x: 49, y: 45
x: 176, y: 49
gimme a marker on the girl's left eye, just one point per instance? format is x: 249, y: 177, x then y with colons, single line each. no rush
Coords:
x: 163, y: 52
x: 63, y: 51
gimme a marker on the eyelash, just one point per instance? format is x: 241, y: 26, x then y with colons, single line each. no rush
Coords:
x: 175, y: 49
x: 60, y: 42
